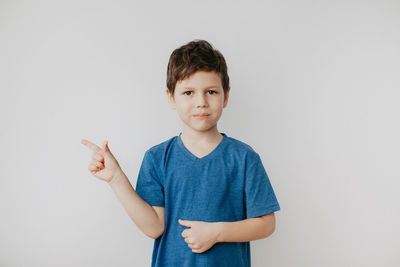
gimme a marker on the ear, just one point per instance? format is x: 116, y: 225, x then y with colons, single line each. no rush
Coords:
x: 171, y: 99
x: 226, y: 97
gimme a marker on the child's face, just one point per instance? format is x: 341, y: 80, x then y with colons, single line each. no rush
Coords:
x: 201, y: 93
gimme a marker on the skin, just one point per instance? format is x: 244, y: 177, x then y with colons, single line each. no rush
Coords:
x: 200, y: 236
x: 201, y: 135
x: 149, y: 219
x: 102, y: 157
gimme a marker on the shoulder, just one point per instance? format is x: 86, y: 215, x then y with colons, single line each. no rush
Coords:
x: 242, y: 148
x: 241, y: 152
x: 159, y: 152
x: 162, y: 146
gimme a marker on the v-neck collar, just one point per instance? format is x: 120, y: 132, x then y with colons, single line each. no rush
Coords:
x: 205, y: 158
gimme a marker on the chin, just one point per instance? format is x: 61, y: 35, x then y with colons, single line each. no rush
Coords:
x: 204, y: 128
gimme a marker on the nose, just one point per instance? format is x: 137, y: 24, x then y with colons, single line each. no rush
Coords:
x: 201, y: 101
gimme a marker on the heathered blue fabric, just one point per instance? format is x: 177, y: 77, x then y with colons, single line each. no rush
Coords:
x: 229, y: 184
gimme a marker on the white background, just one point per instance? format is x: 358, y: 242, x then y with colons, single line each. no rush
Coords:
x: 314, y: 90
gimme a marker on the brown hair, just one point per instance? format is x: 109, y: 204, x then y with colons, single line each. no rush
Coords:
x: 192, y: 57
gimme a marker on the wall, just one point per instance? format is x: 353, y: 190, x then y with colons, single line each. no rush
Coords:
x: 314, y: 90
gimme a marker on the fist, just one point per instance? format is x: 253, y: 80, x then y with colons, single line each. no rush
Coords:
x: 201, y: 236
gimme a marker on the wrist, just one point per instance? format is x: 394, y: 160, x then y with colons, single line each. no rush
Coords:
x: 219, y: 227
x: 117, y: 177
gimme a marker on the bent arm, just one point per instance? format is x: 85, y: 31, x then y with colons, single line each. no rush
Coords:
x: 141, y: 213
x: 246, y: 230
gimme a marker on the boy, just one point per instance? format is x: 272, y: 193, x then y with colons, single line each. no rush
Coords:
x: 201, y: 195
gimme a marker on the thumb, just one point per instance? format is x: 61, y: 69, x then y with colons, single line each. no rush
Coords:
x: 105, y: 146
x: 185, y: 223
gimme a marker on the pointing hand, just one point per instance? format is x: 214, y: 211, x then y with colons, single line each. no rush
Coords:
x: 103, y: 165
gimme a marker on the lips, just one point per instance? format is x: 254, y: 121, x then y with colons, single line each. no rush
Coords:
x: 201, y: 116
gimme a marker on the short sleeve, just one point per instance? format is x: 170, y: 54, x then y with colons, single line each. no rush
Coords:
x: 149, y: 184
x: 260, y: 198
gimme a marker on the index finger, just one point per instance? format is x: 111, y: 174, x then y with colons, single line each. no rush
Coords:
x: 91, y: 145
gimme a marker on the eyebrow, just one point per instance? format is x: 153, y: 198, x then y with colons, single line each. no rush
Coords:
x: 208, y: 87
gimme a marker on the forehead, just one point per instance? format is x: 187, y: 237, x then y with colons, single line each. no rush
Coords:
x: 200, y: 79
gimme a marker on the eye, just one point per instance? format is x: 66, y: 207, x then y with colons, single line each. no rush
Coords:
x: 213, y: 92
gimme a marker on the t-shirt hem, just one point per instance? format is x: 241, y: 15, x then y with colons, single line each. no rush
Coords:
x: 262, y: 211
x: 154, y: 202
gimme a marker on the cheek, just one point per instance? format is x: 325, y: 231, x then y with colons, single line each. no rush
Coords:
x: 184, y: 110
x: 218, y: 105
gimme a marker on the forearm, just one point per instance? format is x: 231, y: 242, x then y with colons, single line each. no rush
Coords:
x: 141, y: 213
x: 244, y: 231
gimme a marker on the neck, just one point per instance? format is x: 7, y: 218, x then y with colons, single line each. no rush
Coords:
x: 192, y: 136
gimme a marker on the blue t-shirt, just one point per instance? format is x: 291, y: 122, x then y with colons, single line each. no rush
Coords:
x: 229, y: 184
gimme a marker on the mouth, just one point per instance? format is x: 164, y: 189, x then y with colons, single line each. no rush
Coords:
x: 201, y: 116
